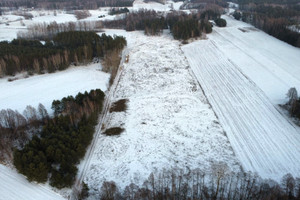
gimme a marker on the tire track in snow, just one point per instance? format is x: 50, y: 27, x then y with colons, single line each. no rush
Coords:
x: 264, y: 141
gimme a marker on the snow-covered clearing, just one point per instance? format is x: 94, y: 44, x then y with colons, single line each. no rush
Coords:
x: 263, y: 140
x: 14, y: 186
x: 45, y: 88
x: 168, y: 124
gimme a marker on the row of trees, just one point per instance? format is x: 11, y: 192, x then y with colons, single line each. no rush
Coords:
x: 216, y: 183
x: 44, y: 31
x: 66, y: 48
x: 182, y: 25
x: 148, y: 20
x: 70, y: 4
x: 54, y: 152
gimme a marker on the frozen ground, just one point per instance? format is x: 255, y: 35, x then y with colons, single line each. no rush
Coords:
x: 14, y: 186
x: 45, y: 88
x: 168, y: 124
x: 263, y: 139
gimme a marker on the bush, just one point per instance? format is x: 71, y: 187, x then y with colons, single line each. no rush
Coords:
x: 82, y: 14
x: 237, y: 15
x: 119, y: 106
x: 113, y: 131
x: 115, y: 11
x: 221, y: 22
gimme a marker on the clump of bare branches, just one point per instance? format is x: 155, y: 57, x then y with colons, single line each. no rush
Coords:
x: 113, y: 131
x: 82, y: 14
x: 119, y: 106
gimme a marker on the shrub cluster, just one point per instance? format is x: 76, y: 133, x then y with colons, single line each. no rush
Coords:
x: 115, y: 11
x: 182, y: 26
x: 119, y: 106
x: 113, y: 131
x: 220, y: 22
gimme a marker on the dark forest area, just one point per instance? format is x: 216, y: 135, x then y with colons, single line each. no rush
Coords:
x: 64, y: 49
x: 56, y: 150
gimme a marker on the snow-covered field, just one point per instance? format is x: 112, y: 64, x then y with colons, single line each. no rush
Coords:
x: 14, y: 186
x: 272, y: 64
x: 45, y: 88
x: 168, y: 124
x: 263, y: 140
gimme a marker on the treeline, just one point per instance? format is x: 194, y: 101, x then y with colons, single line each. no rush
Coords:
x: 147, y: 20
x: 16, y: 129
x: 216, y: 183
x: 43, y: 31
x: 66, y: 48
x: 182, y: 25
x: 66, y: 4
x: 54, y: 152
x: 274, y: 20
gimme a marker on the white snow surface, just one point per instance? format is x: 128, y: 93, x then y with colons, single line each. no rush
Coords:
x: 14, y: 186
x: 272, y: 64
x: 168, y: 124
x: 225, y: 65
x: 45, y: 88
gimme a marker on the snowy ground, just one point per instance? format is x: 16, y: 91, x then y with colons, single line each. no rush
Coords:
x: 263, y: 140
x: 14, y: 186
x: 168, y: 124
x: 45, y: 88
x: 272, y: 64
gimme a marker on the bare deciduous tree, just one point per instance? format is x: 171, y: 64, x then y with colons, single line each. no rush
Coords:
x: 288, y: 183
x: 30, y: 114
x: 109, y: 190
